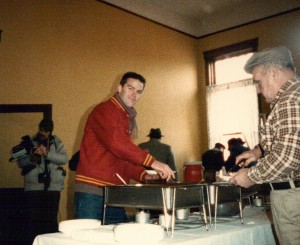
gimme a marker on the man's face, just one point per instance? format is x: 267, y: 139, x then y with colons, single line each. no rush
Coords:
x: 44, y: 134
x: 265, y: 83
x: 131, y: 91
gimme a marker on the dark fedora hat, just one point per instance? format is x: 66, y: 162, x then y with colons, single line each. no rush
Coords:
x: 155, y: 133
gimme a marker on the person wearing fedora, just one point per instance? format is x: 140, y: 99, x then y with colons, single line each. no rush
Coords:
x: 162, y: 152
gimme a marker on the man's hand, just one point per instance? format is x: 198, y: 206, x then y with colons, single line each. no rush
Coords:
x: 248, y: 157
x: 41, y: 150
x: 241, y: 178
x: 152, y: 177
x: 164, y: 171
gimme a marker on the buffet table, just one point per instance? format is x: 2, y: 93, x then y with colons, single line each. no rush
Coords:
x: 229, y: 231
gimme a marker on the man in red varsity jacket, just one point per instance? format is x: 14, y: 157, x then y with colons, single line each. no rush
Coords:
x: 107, y: 154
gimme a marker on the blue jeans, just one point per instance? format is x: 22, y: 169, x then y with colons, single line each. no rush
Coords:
x: 90, y: 206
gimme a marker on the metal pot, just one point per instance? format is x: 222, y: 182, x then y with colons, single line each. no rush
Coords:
x: 165, y: 220
x: 226, y: 209
x: 257, y: 201
x: 183, y: 213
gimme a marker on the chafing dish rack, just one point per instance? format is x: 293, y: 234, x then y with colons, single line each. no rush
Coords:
x: 166, y: 197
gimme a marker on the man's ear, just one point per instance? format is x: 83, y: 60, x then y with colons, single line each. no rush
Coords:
x: 273, y: 71
x: 120, y: 88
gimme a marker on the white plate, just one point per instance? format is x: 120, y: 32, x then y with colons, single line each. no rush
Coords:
x: 68, y: 226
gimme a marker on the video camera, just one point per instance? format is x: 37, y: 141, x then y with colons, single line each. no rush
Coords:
x: 25, y: 147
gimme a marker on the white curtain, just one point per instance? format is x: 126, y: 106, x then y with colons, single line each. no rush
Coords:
x: 233, y: 110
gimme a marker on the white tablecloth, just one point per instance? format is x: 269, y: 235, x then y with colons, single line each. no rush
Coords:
x: 256, y: 230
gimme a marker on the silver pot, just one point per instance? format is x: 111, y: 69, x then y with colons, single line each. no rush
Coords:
x: 183, y: 213
x: 165, y: 220
x: 226, y: 209
x: 257, y: 201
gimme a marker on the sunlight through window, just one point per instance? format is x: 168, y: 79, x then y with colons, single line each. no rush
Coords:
x: 233, y: 107
x: 231, y: 69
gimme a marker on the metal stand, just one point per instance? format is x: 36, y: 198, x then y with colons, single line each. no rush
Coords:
x: 239, y: 200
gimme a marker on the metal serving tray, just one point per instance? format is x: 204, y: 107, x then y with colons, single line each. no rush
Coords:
x: 158, y: 196
x: 154, y: 196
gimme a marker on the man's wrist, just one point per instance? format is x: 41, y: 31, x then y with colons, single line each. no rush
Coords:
x: 258, y: 146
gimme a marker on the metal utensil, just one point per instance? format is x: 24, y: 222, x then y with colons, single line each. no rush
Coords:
x: 257, y: 201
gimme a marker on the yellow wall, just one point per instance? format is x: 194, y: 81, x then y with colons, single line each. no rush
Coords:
x: 72, y: 54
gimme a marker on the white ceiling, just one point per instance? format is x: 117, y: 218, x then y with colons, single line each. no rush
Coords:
x: 199, y: 18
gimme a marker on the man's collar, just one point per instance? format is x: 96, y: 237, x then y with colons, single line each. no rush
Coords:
x: 284, y: 88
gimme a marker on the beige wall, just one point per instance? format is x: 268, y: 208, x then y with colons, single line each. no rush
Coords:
x: 72, y: 54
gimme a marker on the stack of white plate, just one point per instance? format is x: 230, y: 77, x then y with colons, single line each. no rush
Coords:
x: 69, y: 226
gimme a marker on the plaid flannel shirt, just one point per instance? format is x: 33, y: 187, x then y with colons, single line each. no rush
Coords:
x: 280, y: 138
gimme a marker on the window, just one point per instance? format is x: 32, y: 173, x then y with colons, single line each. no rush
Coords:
x: 232, y: 103
x: 212, y: 57
x: 223, y: 66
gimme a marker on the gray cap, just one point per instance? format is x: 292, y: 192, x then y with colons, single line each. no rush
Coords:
x: 278, y: 56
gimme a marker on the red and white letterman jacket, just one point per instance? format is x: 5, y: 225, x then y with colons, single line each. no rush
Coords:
x: 107, y: 149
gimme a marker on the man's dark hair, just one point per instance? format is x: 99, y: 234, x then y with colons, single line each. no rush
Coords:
x: 235, y: 141
x: 46, y: 125
x: 133, y: 75
x: 219, y: 146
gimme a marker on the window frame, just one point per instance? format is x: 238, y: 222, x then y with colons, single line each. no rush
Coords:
x: 46, y: 109
x: 229, y: 51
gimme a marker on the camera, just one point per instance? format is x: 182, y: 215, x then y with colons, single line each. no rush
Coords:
x: 44, y: 178
x: 25, y: 147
